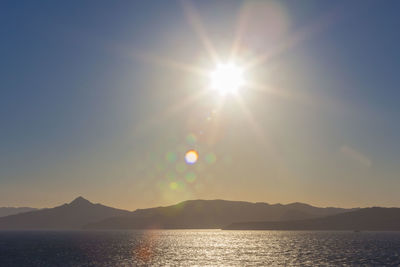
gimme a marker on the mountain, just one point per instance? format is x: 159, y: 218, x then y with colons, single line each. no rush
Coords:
x: 6, y: 211
x: 207, y: 214
x: 367, y: 219
x: 68, y: 216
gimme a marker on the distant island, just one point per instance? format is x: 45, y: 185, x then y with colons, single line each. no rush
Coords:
x: 204, y: 214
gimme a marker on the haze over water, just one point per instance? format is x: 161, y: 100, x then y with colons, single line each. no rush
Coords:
x: 198, y: 247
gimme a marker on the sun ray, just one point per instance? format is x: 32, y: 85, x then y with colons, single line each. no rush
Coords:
x: 168, y: 62
x: 195, y: 21
x: 271, y: 90
x: 217, y: 120
x: 257, y: 130
x: 268, y: 144
x: 322, y: 22
x: 236, y: 43
x: 166, y: 114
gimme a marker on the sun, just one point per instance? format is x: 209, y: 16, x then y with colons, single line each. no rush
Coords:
x: 227, y: 78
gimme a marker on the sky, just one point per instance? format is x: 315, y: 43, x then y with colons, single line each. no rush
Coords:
x: 102, y: 100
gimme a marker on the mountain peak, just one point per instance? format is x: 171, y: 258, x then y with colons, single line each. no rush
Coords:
x: 80, y: 201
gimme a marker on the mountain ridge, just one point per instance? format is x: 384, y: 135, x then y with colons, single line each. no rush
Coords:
x: 207, y: 214
x: 366, y: 219
x: 80, y: 213
x: 73, y: 215
x: 6, y: 211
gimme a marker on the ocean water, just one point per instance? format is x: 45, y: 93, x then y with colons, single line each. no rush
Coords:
x: 198, y: 247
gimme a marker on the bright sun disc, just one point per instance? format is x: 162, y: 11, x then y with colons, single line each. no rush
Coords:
x: 227, y: 78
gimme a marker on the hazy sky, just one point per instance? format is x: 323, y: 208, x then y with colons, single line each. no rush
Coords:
x: 101, y: 99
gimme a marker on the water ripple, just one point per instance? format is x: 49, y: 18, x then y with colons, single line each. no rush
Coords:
x: 198, y: 248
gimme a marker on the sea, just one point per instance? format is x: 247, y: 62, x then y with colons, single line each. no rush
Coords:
x: 198, y: 248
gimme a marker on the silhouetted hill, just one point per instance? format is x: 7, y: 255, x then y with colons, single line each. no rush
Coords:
x: 206, y: 214
x: 368, y: 219
x: 68, y: 216
x: 6, y: 211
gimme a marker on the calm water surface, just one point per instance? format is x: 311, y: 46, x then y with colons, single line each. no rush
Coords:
x: 197, y: 247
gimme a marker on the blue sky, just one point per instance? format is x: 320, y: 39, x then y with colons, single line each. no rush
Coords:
x: 86, y: 88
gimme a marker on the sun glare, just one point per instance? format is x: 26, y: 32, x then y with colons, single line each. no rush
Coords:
x: 227, y: 78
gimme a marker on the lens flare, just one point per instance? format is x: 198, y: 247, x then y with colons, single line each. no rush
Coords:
x: 190, y: 177
x: 191, y: 139
x: 211, y: 158
x: 191, y: 156
x: 170, y: 157
x: 173, y: 185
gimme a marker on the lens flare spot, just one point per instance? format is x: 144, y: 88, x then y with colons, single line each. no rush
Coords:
x: 190, y: 177
x: 211, y: 158
x: 191, y: 139
x: 143, y: 252
x: 191, y: 156
x: 173, y: 185
x: 178, y: 186
x: 170, y: 157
